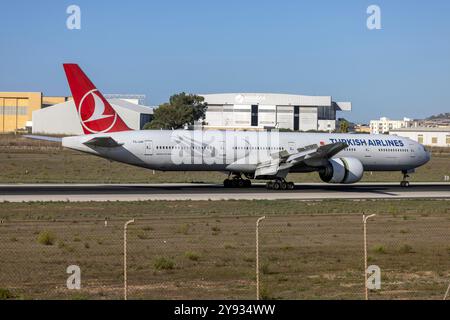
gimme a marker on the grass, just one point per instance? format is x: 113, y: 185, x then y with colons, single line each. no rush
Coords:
x: 46, y: 238
x: 406, y: 249
x: 265, y: 269
x: 184, y: 229
x: 265, y: 294
x: 29, y: 161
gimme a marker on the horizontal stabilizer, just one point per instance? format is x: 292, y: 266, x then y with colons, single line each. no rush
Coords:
x: 43, y: 138
x: 105, y: 142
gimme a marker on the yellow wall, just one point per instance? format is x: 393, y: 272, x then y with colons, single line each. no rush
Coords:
x: 362, y: 129
x: 16, y: 108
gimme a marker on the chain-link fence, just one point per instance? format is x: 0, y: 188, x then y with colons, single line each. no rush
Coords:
x: 203, y: 257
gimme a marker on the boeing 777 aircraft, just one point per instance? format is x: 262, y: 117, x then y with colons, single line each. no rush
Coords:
x: 243, y: 155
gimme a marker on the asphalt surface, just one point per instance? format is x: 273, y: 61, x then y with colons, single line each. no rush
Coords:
x: 137, y: 192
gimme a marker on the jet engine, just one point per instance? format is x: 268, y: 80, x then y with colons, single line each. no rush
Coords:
x: 342, y: 170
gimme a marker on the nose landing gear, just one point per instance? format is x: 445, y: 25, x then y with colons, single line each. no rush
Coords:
x: 405, y: 183
x: 280, y: 184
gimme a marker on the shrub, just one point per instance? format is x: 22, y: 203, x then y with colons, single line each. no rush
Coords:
x: 380, y: 249
x: 192, y: 255
x: 5, y: 294
x: 46, y: 238
x: 162, y: 263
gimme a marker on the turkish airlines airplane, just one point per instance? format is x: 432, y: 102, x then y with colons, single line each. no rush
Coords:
x: 244, y: 155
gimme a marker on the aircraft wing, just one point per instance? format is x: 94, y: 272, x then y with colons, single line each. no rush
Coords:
x: 323, y: 153
x: 44, y: 138
x: 312, y: 156
x: 105, y: 142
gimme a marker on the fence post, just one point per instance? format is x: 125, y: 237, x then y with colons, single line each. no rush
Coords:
x: 365, y: 218
x: 257, y: 256
x: 125, y: 259
x: 446, y: 293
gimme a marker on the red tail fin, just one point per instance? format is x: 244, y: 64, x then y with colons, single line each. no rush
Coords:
x: 95, y: 112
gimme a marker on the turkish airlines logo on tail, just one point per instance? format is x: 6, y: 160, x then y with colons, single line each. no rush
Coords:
x: 95, y: 113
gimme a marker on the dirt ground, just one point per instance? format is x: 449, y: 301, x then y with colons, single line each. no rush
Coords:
x: 206, y: 250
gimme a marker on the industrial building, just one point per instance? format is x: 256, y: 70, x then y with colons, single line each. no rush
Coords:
x: 16, y: 108
x: 429, y: 136
x: 62, y: 118
x: 259, y: 111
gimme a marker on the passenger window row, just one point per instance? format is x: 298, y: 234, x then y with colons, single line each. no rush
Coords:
x: 258, y: 148
x: 393, y: 150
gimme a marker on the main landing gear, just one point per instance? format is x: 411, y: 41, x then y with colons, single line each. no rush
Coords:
x: 405, y: 183
x: 280, y: 184
x: 237, y: 182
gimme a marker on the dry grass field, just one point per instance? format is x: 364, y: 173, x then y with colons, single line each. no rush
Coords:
x: 206, y: 249
x: 29, y: 161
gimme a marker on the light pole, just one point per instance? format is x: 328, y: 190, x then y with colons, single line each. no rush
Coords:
x: 125, y: 258
x: 257, y: 256
x: 365, y: 218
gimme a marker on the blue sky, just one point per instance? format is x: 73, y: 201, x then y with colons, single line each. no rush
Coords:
x: 304, y: 47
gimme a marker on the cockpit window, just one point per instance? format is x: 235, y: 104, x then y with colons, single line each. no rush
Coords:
x: 424, y: 149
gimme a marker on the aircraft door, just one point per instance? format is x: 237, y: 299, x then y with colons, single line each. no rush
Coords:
x: 291, y: 147
x: 148, y: 151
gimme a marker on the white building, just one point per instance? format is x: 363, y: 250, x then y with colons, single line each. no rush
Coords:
x: 434, y: 137
x: 271, y: 110
x: 62, y: 118
x: 385, y: 125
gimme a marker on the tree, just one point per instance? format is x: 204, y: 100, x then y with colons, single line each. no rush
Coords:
x: 181, y: 109
x: 343, y: 126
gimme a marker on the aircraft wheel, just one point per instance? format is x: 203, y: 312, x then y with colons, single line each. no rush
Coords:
x: 241, y: 183
x: 283, y: 185
x: 269, y: 185
x: 276, y: 185
x: 234, y: 183
x: 290, y: 186
x: 404, y: 184
x: 227, y: 183
x: 247, y: 183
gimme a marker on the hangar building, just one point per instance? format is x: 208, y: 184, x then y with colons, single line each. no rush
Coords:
x: 16, y: 108
x: 62, y: 118
x: 272, y: 110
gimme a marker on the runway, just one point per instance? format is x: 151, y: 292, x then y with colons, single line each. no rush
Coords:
x: 143, y: 192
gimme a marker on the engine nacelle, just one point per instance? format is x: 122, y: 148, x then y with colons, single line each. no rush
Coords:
x: 342, y: 170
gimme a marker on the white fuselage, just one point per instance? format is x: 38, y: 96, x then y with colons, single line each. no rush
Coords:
x: 242, y: 151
